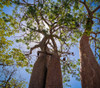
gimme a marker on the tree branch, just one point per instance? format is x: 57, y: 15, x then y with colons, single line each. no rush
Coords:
x: 96, y: 9
x: 36, y: 46
x: 87, y: 8
x: 20, y: 3
x: 9, y: 77
x: 55, y: 46
x: 41, y: 45
x: 44, y: 19
x: 96, y: 18
x: 92, y: 38
x: 98, y: 47
x: 95, y: 33
x: 67, y: 52
x: 39, y: 31
x: 5, y: 64
x: 2, y: 64
x: 53, y: 27
x: 84, y: 1
x: 56, y: 36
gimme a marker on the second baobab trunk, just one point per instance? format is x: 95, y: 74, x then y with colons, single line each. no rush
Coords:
x: 89, y: 67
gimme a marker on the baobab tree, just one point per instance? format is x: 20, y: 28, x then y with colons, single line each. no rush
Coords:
x: 47, y: 24
x: 90, y: 69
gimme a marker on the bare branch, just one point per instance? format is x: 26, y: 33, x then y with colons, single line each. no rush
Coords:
x: 9, y: 77
x: 51, y: 45
x: 36, y: 46
x: 55, y: 46
x: 39, y: 31
x: 20, y: 3
x: 96, y: 9
x: 95, y: 33
x: 53, y: 27
x: 67, y: 52
x: 87, y: 8
x: 56, y: 36
x: 81, y: 1
x: 93, y: 38
x: 56, y: 30
x: 84, y: 1
x: 44, y: 19
x: 60, y: 27
x: 46, y: 52
x: 98, y: 47
x: 96, y: 18
x: 41, y: 45
x: 2, y: 64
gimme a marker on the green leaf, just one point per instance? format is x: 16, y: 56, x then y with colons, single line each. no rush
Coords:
x: 27, y: 70
x: 1, y: 6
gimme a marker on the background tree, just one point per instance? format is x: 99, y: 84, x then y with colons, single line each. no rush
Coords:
x: 89, y: 65
x: 8, y: 79
x: 89, y: 17
x: 9, y: 57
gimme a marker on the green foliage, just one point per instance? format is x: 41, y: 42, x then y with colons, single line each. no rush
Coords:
x: 8, y: 27
x: 31, y: 11
x: 88, y: 24
x: 13, y: 83
x: 53, y: 11
x: 70, y: 68
x: 5, y: 3
x: 9, y: 57
x: 19, y: 57
x: 16, y: 84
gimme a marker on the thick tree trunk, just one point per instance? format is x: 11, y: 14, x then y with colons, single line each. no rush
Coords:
x: 54, y: 76
x: 89, y: 68
x: 46, y: 72
x: 38, y: 75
